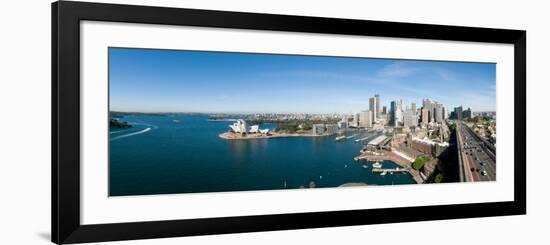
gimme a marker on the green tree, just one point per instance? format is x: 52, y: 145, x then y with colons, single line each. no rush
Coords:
x: 438, y: 178
x: 452, y: 126
x: 419, y: 162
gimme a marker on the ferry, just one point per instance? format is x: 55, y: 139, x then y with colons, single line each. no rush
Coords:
x: 352, y: 136
x: 342, y: 137
x: 359, y: 140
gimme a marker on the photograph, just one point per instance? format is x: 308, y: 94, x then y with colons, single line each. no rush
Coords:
x: 202, y: 121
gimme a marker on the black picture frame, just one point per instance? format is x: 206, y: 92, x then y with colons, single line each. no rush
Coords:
x: 65, y: 167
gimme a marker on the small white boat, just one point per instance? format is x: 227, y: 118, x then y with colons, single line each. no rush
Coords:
x: 383, y: 173
x: 365, y: 166
x: 342, y: 137
x: 377, y: 164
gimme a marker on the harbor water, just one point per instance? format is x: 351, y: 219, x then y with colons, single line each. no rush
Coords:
x: 184, y: 154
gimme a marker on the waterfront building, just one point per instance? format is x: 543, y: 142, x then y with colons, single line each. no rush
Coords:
x: 318, y: 129
x: 342, y: 124
x: 355, y: 121
x: 458, y: 113
x: 239, y: 126
x: 254, y: 129
x: 378, y: 143
x: 365, y: 119
x: 331, y: 128
x: 264, y: 131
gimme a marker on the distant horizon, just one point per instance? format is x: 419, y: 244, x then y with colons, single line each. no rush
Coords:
x: 205, y: 112
x: 174, y: 81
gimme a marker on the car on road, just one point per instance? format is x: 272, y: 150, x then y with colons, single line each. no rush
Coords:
x: 484, y: 173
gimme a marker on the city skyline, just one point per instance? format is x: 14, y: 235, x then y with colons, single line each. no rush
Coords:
x: 145, y: 80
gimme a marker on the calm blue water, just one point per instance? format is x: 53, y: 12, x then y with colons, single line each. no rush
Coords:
x: 160, y: 156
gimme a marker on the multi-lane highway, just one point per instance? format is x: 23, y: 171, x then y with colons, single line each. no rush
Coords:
x: 477, y: 156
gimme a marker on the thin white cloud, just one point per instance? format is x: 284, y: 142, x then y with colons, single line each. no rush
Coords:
x: 397, y: 69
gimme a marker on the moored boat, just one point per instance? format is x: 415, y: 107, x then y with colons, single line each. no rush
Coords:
x: 342, y: 137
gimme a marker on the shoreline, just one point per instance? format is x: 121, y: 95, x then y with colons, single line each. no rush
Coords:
x: 235, y: 136
x: 396, y: 158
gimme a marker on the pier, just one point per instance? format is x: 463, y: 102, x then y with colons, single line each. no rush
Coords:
x: 390, y: 170
x: 396, y: 157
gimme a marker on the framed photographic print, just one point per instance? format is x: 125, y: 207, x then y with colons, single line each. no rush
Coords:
x: 176, y: 122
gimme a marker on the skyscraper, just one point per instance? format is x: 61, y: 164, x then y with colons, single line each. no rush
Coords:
x: 393, y: 108
x: 428, y: 104
x: 409, y: 118
x: 400, y: 111
x: 458, y: 113
x: 377, y: 96
x: 467, y: 114
x: 438, y: 113
x: 425, y: 116
x: 396, y: 113
x: 373, y: 104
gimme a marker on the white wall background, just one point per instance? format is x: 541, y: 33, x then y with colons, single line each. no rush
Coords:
x: 25, y: 120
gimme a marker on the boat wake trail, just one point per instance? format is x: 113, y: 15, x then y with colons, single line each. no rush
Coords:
x: 116, y: 132
x: 130, y: 134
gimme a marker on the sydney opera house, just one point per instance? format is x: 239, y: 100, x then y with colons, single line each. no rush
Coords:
x: 240, y: 126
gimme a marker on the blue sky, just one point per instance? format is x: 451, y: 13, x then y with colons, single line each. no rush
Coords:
x: 143, y: 80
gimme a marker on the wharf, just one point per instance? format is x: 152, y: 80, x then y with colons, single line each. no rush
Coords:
x: 396, y: 157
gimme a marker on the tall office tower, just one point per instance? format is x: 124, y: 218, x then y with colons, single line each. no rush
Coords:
x: 393, y: 108
x: 400, y: 110
x: 458, y: 113
x: 445, y: 113
x: 413, y: 107
x: 377, y: 105
x: 365, y: 119
x: 396, y: 112
x: 467, y: 114
x: 384, y: 110
x: 438, y: 113
x: 425, y: 116
x: 372, y: 107
x: 429, y: 105
x: 410, y: 119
